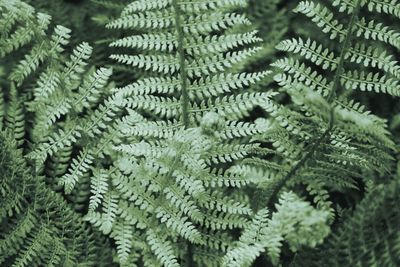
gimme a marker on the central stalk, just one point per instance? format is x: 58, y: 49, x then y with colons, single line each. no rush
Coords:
x: 182, y: 63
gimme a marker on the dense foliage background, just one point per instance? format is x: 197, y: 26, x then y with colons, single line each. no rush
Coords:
x: 199, y: 133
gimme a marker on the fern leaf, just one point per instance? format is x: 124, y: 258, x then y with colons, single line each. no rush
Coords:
x: 99, y: 187
x: 162, y: 249
x: 15, y: 117
x: 38, y: 54
x: 78, y: 168
x: 123, y: 236
x: 90, y: 89
x: 367, y: 237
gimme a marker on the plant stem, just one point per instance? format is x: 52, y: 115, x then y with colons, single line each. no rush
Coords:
x: 184, y: 94
x: 182, y: 63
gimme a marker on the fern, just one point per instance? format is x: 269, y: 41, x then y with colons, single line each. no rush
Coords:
x: 179, y: 149
x: 294, y: 220
x: 271, y: 20
x: 37, y: 227
x: 190, y: 85
x: 324, y: 141
x: 368, y: 237
x: 347, y: 139
x: 333, y: 139
x: 68, y: 108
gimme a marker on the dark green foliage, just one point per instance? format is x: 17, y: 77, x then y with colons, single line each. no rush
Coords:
x: 271, y: 19
x: 370, y: 236
x: 56, y: 104
x: 199, y: 133
x: 38, y: 228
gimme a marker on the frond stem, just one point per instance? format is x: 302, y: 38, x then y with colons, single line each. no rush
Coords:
x: 185, y: 95
x: 182, y: 63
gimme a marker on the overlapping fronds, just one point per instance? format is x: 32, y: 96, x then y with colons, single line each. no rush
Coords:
x: 56, y: 104
x: 171, y: 175
x: 330, y: 140
x: 38, y: 228
x: 367, y: 237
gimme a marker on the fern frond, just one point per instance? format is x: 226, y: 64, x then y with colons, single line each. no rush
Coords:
x: 162, y: 248
x: 321, y: 103
x: 123, y: 236
x: 39, y: 53
x: 44, y: 230
x: 15, y: 116
x: 89, y: 92
x: 368, y: 237
x: 99, y: 186
x: 78, y: 168
x: 267, y: 233
x: 57, y: 141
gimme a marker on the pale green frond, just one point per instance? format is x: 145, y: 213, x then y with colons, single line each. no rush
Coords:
x: 76, y: 64
x: 198, y: 6
x: 237, y: 129
x: 89, y: 92
x: 374, y: 57
x: 142, y: 5
x: 106, y: 219
x: 144, y: 20
x: 222, y: 83
x: 384, y: 7
x: 162, y: 248
x: 157, y: 42
x: 210, y: 65
x: 55, y: 142
x: 213, y: 21
x: 378, y: 31
x: 300, y: 72
x: 217, y: 221
x: 224, y: 153
x: 310, y: 50
x: 370, y: 82
x: 180, y: 224
x: 123, y: 236
x: 202, y: 46
x: 167, y: 107
x: 15, y: 116
x: 98, y: 187
x: 183, y: 202
x: 47, y: 84
x: 78, y: 168
x: 323, y: 18
x: 151, y: 85
x: 98, y: 120
x: 167, y: 64
x: 154, y: 129
x: 39, y: 53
